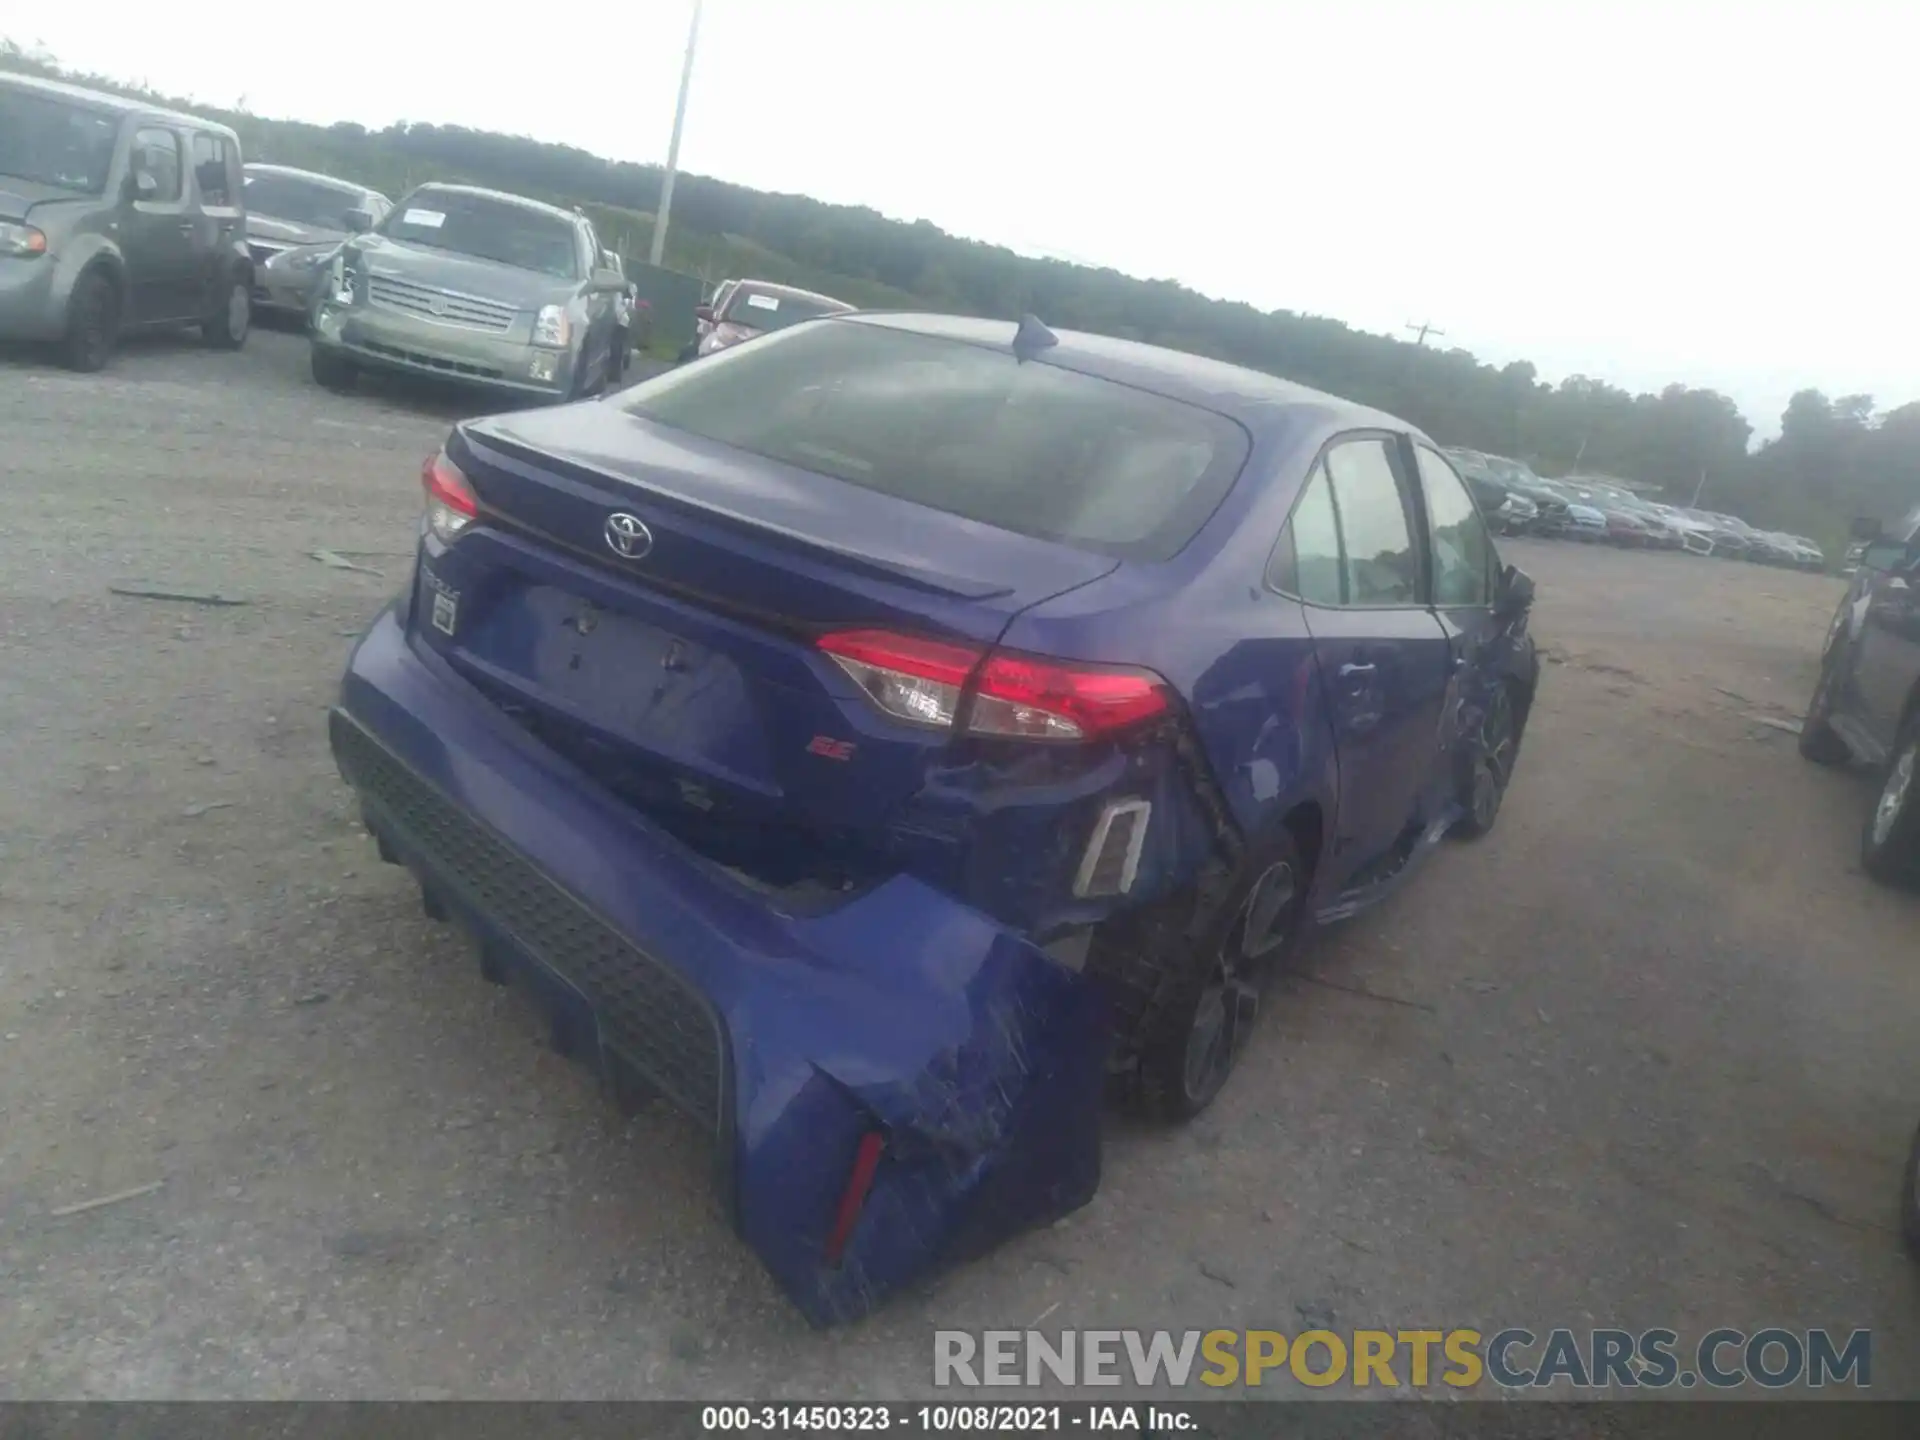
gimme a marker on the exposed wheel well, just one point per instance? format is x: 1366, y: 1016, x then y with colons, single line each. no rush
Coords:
x: 1308, y: 826
x: 108, y: 265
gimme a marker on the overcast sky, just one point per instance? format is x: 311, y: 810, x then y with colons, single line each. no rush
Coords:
x: 1717, y: 193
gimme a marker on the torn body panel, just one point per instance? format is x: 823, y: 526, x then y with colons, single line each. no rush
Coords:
x: 976, y: 1058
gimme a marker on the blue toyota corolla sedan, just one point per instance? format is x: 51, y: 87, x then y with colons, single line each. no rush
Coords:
x: 886, y: 738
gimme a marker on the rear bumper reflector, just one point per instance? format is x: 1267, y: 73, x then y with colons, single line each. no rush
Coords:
x: 866, y: 1160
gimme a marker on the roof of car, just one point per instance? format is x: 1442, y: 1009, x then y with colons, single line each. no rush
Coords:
x: 260, y: 167
x: 1244, y: 395
x: 440, y: 187
x: 107, y: 101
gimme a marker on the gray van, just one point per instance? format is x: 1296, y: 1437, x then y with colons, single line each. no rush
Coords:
x: 116, y: 215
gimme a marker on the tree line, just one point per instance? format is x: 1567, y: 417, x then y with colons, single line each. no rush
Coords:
x: 1832, y: 459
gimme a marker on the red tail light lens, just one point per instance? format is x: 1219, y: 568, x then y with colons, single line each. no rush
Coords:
x: 1017, y: 696
x: 1046, y: 700
x: 451, y: 504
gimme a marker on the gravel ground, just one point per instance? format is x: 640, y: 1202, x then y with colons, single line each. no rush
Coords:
x: 1643, y: 1057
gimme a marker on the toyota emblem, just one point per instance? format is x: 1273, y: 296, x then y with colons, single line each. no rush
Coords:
x: 628, y: 536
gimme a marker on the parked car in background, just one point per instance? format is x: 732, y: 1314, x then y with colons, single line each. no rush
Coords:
x: 757, y: 307
x: 703, y: 314
x: 296, y: 220
x: 116, y: 215
x: 880, y: 737
x: 472, y: 285
x: 1866, y: 706
x: 1509, y: 512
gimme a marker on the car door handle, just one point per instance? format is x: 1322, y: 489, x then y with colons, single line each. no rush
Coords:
x: 186, y: 227
x: 1352, y: 669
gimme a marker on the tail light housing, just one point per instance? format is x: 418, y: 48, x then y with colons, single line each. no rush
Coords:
x: 727, y: 333
x: 1002, y: 693
x: 451, y: 503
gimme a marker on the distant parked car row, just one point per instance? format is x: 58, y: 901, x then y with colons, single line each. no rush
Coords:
x: 118, y: 215
x: 1594, y: 508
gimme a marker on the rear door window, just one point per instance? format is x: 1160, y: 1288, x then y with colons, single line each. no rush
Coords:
x: 967, y: 429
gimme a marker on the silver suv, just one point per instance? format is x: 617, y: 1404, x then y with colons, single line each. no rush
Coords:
x: 471, y: 285
x: 116, y: 215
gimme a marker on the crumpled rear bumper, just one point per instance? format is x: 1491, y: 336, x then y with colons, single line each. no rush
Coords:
x: 976, y: 1060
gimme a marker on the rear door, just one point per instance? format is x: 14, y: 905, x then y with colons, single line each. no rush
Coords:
x: 1384, y: 656
x: 215, y: 209
x: 159, y: 249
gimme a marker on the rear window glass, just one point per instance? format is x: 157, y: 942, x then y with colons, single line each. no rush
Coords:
x: 771, y: 310
x: 300, y: 200
x: 1031, y: 448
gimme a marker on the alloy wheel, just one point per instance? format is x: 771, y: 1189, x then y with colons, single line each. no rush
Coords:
x: 1230, y: 1001
x: 1494, y: 760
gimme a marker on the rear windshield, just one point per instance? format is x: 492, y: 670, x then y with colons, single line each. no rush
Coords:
x: 55, y: 142
x: 966, y: 429
x: 301, y: 202
x: 486, y: 229
x: 770, y: 310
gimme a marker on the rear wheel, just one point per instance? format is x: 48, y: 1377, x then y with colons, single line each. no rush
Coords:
x: 1890, y: 842
x: 1819, y: 742
x: 1186, y: 977
x: 93, y: 322
x: 331, y: 372
x: 226, y: 328
x: 1488, y: 765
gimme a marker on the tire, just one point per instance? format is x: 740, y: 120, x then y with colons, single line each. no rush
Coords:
x: 1910, y: 1199
x: 227, y: 328
x: 1486, y: 765
x: 1819, y: 741
x: 1186, y: 977
x: 331, y: 372
x: 1890, y: 839
x: 93, y: 323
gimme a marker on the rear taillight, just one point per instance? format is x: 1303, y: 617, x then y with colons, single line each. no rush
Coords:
x: 1017, y: 696
x: 728, y: 333
x: 451, y: 505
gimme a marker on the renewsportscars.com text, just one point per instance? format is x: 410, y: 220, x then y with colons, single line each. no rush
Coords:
x: 1514, y: 1359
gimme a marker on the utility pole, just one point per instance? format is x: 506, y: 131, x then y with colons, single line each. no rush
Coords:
x: 1422, y: 331
x: 1695, y: 502
x: 673, y: 146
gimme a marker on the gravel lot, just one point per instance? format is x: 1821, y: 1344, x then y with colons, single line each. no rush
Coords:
x: 1645, y: 1056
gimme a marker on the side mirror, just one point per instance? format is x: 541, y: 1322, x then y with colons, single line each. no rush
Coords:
x: 359, y: 220
x: 1865, y: 529
x: 1515, y: 595
x: 608, y: 280
x: 703, y: 313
